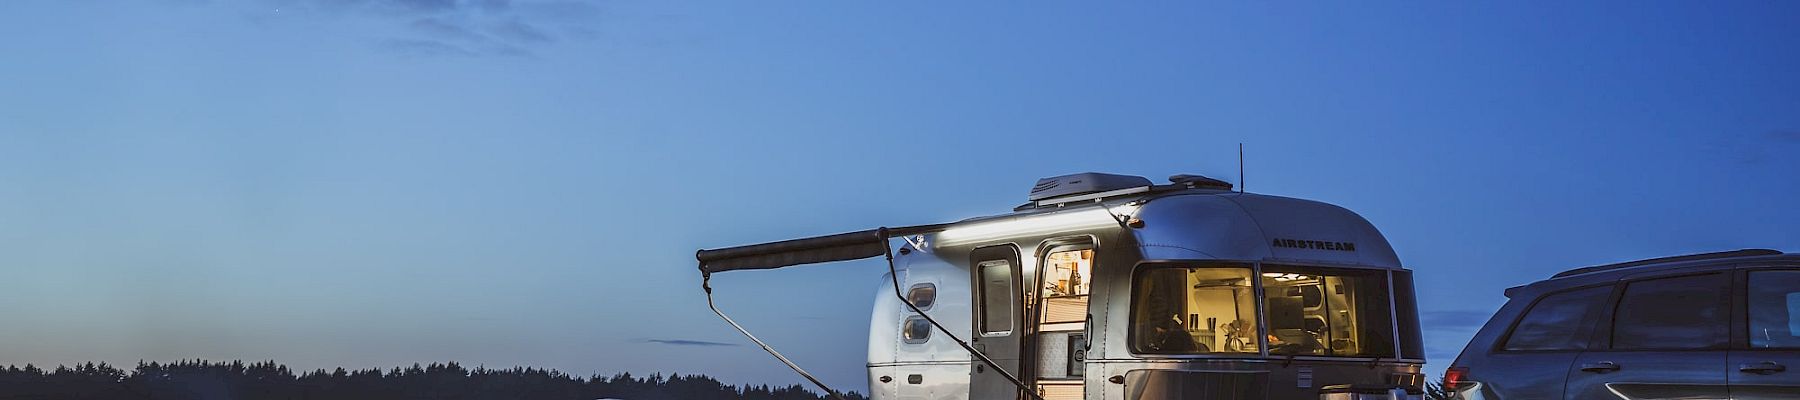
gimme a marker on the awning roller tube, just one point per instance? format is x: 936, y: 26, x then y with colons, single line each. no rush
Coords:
x: 840, y: 247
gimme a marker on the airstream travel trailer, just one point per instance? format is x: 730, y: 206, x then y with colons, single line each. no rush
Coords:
x: 1111, y: 287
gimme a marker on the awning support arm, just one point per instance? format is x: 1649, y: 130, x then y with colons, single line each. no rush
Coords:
x: 706, y: 283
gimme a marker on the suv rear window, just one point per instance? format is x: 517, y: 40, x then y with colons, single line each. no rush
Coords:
x: 1680, y: 313
x: 1556, y: 322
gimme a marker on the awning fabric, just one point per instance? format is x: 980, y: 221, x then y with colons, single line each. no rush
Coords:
x: 839, y: 247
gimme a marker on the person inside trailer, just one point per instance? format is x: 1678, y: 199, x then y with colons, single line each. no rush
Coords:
x: 1170, y: 337
x: 1162, y: 319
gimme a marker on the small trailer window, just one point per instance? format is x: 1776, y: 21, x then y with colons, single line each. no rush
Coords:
x: 922, y: 295
x: 1194, y: 310
x: 916, y: 330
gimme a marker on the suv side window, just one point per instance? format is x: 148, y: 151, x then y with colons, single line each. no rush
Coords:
x: 1556, y: 322
x: 1679, y: 313
x: 1774, y: 309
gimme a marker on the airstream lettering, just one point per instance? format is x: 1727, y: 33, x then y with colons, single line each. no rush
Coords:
x: 1313, y: 244
x: 1110, y: 287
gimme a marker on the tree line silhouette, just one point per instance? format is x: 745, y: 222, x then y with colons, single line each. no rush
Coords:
x: 199, y: 379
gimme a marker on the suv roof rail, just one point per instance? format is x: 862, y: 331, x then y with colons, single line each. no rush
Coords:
x: 1660, y: 260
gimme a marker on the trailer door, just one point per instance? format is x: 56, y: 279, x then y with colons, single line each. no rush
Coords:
x: 997, y: 293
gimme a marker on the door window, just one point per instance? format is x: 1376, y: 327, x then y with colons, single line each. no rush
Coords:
x: 1065, y: 290
x: 1680, y: 313
x: 1774, y: 309
x: 1556, y: 322
x: 996, y: 293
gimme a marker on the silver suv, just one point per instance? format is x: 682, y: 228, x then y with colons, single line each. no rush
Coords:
x: 1704, y: 326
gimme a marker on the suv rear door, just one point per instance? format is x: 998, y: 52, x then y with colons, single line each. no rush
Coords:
x: 1766, y: 363
x: 1667, y: 338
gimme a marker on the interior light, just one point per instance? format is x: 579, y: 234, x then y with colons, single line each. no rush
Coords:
x: 1285, y: 277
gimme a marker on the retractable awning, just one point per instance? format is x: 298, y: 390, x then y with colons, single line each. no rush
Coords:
x: 840, y: 247
x: 820, y: 249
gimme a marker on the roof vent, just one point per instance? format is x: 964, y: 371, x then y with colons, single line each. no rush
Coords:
x: 1084, y: 183
x: 1199, y: 182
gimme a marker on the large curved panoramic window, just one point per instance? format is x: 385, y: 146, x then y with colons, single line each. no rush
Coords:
x: 1328, y: 312
x: 1183, y: 309
x: 1193, y: 310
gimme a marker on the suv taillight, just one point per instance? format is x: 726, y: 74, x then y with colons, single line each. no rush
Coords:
x: 1454, y: 376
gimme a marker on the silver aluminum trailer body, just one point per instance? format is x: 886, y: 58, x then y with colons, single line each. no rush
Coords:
x: 1101, y: 296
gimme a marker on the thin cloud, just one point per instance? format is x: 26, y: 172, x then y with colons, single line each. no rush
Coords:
x: 519, y: 31
x: 453, y: 27
x: 428, y: 4
x: 375, y: 5
x: 1757, y: 150
x: 492, y: 5
x: 425, y: 48
x: 1443, y: 353
x: 1453, y: 319
x: 435, y: 27
x: 1785, y: 137
x: 685, y: 342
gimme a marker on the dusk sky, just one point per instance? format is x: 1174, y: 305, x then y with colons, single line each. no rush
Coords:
x: 374, y: 183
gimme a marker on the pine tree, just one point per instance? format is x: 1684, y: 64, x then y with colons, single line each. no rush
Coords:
x: 268, y: 380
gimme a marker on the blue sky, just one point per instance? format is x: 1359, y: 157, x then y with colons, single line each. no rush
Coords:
x: 371, y: 183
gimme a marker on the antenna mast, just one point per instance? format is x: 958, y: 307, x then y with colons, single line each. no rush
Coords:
x: 1240, y: 167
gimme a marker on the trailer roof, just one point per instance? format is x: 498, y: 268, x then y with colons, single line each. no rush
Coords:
x: 1196, y: 217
